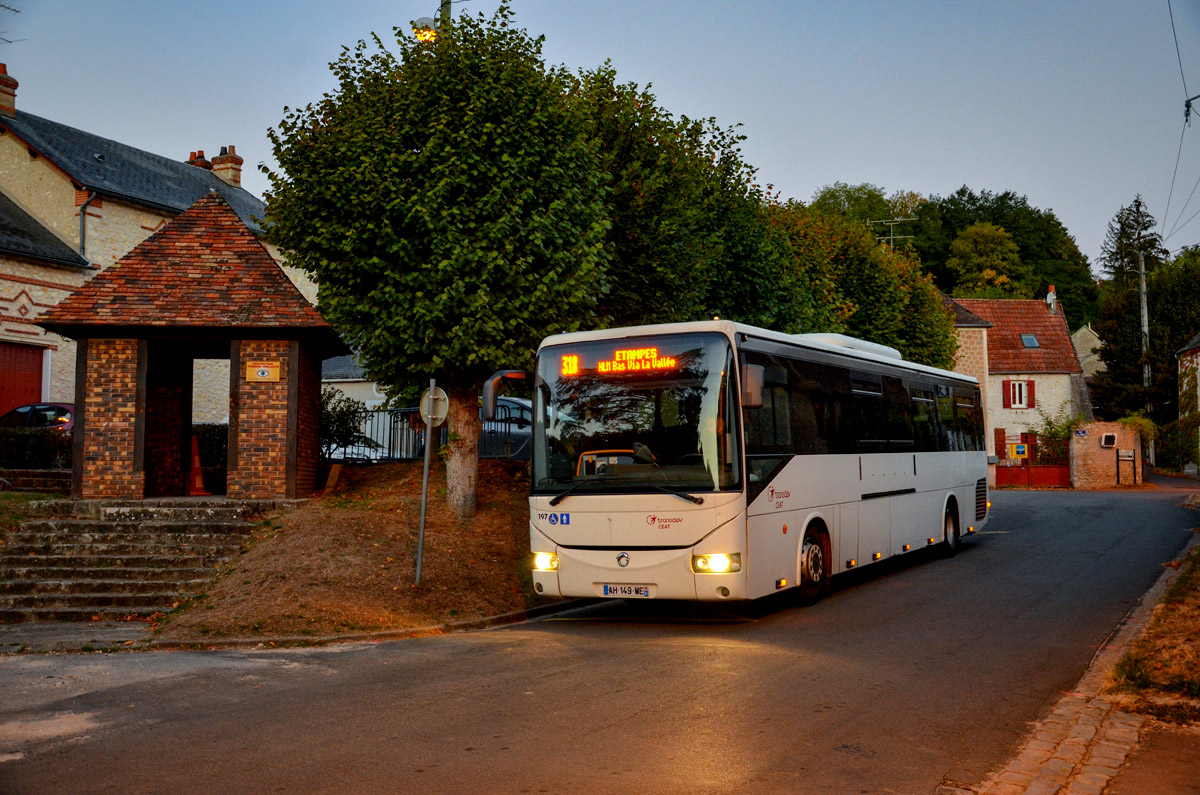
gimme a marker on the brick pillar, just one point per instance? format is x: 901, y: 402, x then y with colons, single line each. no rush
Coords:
x: 109, y: 447
x: 259, y: 419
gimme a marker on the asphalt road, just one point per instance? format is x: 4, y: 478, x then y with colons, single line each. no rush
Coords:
x: 922, y: 672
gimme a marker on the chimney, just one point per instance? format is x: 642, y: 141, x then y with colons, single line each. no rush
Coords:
x: 197, y: 159
x: 1051, y: 299
x: 8, y: 93
x: 228, y: 166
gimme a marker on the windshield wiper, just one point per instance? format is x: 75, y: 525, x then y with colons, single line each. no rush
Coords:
x: 681, y: 495
x: 562, y: 495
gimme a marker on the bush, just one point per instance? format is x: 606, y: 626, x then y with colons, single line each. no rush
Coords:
x: 35, y: 448
x: 1177, y: 443
x: 341, y: 422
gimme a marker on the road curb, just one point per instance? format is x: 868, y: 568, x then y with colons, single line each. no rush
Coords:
x: 1081, y: 746
x: 515, y: 617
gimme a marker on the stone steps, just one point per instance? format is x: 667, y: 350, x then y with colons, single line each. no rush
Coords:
x: 107, y: 559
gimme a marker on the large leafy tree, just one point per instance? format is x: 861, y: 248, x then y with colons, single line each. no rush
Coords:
x: 1049, y: 254
x: 863, y: 288
x: 659, y: 174
x: 1174, y: 315
x: 986, y: 263
x: 449, y: 202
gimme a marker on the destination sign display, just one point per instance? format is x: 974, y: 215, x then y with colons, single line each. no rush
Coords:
x: 625, y: 360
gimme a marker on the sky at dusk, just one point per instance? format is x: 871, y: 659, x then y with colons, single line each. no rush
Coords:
x: 1077, y: 105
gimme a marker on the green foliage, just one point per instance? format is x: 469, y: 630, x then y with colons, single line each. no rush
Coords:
x: 1049, y: 255
x: 1139, y: 422
x: 1174, y: 315
x: 341, y: 422
x: 863, y: 202
x: 35, y: 448
x: 659, y: 173
x: 863, y: 288
x: 448, y: 202
x: 1131, y: 230
x: 1179, y: 443
x: 986, y: 263
x: 1061, y: 426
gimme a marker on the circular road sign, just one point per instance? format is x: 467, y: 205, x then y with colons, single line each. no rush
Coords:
x: 434, y: 406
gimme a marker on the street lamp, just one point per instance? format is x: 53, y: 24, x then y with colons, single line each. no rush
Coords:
x: 426, y: 29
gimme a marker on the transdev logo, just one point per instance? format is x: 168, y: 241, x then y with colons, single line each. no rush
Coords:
x: 663, y: 522
x: 772, y: 494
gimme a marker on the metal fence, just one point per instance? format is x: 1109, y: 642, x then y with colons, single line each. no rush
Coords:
x: 399, y: 435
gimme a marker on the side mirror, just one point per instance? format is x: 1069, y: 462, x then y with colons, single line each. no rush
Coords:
x: 752, y: 385
x: 492, y: 386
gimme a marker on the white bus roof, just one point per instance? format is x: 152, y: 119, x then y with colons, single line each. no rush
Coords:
x: 838, y: 344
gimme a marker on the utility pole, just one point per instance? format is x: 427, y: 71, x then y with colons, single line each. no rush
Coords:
x: 444, y: 14
x: 1145, y: 322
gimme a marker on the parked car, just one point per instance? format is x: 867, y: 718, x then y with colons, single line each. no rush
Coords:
x: 511, y: 433
x: 41, y: 415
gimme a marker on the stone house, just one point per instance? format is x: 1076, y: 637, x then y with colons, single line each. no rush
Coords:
x: 1189, y: 398
x: 1032, y: 369
x: 71, y: 205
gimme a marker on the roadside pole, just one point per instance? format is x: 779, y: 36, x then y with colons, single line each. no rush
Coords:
x: 434, y: 407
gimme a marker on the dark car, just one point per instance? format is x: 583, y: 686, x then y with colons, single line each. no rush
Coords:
x: 41, y: 415
x: 509, y: 435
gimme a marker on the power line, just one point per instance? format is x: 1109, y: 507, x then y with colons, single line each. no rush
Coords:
x: 1171, y: 11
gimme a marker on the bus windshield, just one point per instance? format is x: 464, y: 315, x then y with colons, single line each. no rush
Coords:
x: 636, y: 414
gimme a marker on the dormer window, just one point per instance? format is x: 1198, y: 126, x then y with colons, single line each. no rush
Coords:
x: 1030, y: 341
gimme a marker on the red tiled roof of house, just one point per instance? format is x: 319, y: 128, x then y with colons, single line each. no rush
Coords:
x: 204, y: 269
x: 1012, y: 318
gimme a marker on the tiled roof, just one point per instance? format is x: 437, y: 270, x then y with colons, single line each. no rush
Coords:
x: 962, y: 317
x: 117, y: 170
x: 342, y: 368
x: 204, y: 269
x: 1012, y: 318
x: 21, y: 236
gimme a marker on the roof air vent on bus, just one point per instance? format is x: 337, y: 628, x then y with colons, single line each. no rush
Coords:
x: 843, y: 341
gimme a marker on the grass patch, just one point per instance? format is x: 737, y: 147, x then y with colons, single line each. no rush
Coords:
x: 14, y: 508
x: 1161, y: 670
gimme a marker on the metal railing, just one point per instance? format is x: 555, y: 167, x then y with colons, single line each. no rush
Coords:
x: 399, y: 435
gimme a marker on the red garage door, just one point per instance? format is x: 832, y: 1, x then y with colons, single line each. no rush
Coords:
x: 20, y: 375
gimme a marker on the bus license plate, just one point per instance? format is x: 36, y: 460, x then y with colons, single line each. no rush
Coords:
x: 628, y: 591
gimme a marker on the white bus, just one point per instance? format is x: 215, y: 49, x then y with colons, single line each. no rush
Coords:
x: 717, y: 461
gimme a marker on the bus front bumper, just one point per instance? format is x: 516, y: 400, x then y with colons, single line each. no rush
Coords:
x: 636, y: 574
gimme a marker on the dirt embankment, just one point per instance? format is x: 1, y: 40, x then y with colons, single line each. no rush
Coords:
x: 345, y: 561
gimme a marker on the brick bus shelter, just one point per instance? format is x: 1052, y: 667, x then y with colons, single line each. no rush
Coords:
x: 202, y: 287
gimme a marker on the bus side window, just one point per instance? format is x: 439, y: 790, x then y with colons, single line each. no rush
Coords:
x: 966, y: 411
x: 951, y: 438
x: 925, y: 430
x: 899, y: 415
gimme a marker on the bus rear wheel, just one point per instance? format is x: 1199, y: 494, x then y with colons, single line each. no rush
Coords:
x: 814, y: 566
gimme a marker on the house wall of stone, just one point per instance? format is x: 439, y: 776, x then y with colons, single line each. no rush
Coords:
x: 39, y: 188
x: 1053, y: 396
x: 105, y: 456
x: 972, y: 359
x: 1189, y: 399
x: 27, y: 290
x: 1096, y: 467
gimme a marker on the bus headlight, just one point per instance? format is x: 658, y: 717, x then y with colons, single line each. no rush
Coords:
x: 544, y: 561
x: 716, y: 564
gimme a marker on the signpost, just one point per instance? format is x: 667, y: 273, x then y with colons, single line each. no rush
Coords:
x: 434, y: 407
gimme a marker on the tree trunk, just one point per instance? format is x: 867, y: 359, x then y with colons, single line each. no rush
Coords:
x: 462, y: 463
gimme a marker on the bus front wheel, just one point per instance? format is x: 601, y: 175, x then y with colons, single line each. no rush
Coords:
x: 814, y: 565
x: 952, y: 537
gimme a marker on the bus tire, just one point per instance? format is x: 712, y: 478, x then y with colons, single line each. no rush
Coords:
x: 815, y: 560
x: 951, y: 535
